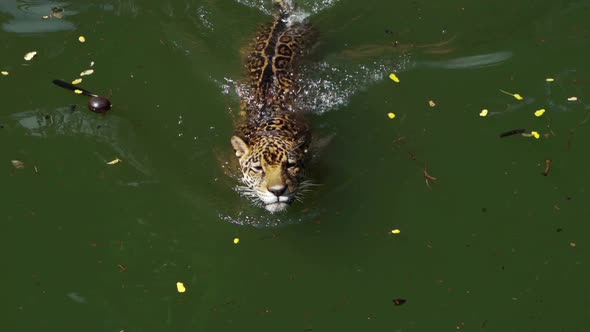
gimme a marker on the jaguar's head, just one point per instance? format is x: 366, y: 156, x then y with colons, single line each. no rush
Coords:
x: 272, y: 170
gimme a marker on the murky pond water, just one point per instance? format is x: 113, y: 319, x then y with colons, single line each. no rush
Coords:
x: 486, y: 241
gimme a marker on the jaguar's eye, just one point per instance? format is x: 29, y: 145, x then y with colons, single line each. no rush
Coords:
x: 257, y: 168
x: 291, y: 164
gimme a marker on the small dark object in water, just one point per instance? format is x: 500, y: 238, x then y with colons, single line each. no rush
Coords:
x: 547, y: 167
x: 399, y: 301
x: 512, y: 132
x: 99, y: 104
x: 57, y: 9
x: 96, y: 104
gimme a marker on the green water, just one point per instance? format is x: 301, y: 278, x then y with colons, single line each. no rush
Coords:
x: 492, y: 245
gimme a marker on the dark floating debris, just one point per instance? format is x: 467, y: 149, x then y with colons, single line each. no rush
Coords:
x: 399, y: 301
x: 56, y: 12
x: 97, y: 104
x: 547, y: 167
x: 71, y: 87
x: 512, y: 132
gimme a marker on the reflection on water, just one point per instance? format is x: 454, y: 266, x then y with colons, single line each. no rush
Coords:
x: 469, y: 62
x: 76, y: 297
x: 112, y: 130
x: 27, y: 16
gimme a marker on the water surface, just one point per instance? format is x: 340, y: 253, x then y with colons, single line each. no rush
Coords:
x: 491, y: 245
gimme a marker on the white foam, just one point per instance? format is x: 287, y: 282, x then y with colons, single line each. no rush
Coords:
x: 309, y: 6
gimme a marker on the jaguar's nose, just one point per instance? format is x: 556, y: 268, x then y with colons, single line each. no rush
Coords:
x: 277, y: 190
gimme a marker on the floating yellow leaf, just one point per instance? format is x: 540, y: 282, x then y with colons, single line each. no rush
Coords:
x: 549, y: 79
x: 572, y: 98
x: 4, y: 72
x: 77, y: 81
x: 515, y: 95
x: 535, y: 134
x: 29, y: 56
x: 45, y: 17
x: 394, y: 78
x: 115, y: 161
x: 391, y: 115
x: 395, y: 231
x: 431, y: 103
x: 81, y: 39
x: 483, y: 113
x: 236, y: 240
x: 180, y: 287
x: 540, y: 112
x: 87, y: 72
x: 78, y: 91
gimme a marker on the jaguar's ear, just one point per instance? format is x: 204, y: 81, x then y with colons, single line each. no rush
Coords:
x: 239, y: 145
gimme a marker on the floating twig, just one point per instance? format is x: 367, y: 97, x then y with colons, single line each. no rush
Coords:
x: 512, y: 132
x: 428, y: 177
x: 72, y: 87
x: 547, y: 167
x: 399, y: 301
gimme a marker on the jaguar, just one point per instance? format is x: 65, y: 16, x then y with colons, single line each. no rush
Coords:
x: 272, y: 140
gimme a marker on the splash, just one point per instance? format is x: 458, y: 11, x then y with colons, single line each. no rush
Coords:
x: 262, y: 5
x: 204, y: 18
x: 306, y: 8
x: 330, y: 87
x: 318, y: 6
x: 255, y: 217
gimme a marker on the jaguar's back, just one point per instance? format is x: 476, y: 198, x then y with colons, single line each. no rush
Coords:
x: 272, y: 61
